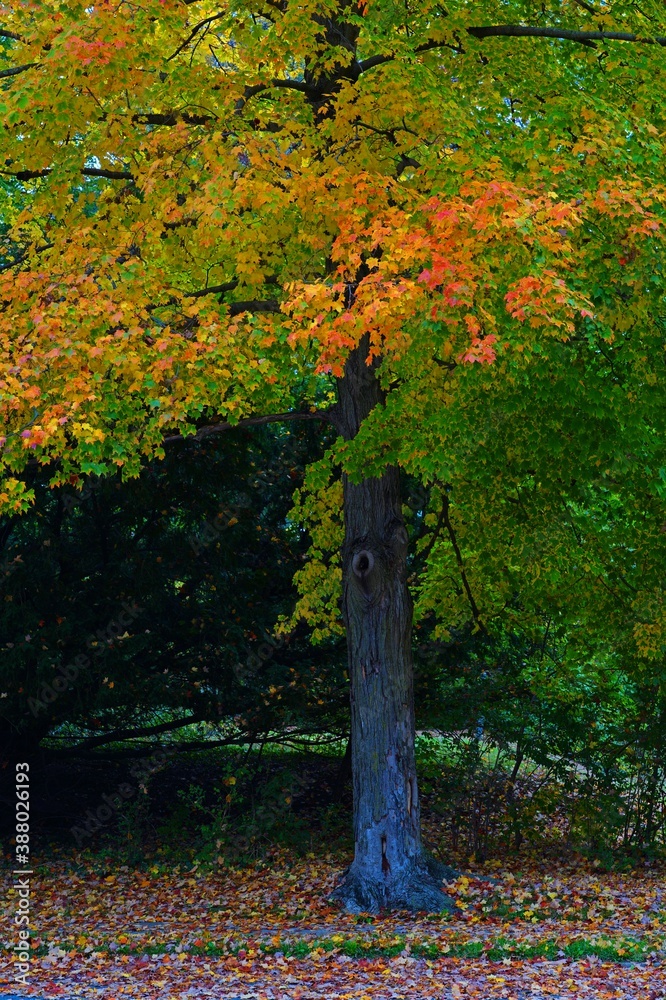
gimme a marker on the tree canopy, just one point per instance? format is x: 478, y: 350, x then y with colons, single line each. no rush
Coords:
x: 211, y: 214
x: 207, y: 208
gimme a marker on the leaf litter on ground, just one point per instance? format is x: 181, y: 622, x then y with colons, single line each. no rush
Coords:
x: 267, y: 931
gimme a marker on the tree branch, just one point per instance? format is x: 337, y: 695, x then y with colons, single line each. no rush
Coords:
x: 25, y: 175
x: 112, y: 175
x: 449, y: 365
x: 259, y: 88
x: 325, y: 416
x: 195, y: 30
x: 434, y: 537
x: 229, y: 286
x: 22, y: 256
x: 271, y: 418
x: 255, y: 306
x: 365, y: 64
x: 15, y: 70
x: 526, y: 31
x: 10, y: 34
x: 522, y: 31
x: 459, y: 559
x: 121, y: 734
x: 300, y: 85
x: 29, y: 175
x: 235, y: 308
x: 240, y: 739
x: 172, y: 118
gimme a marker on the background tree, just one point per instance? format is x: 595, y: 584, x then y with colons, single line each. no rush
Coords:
x: 204, y: 565
x: 224, y: 203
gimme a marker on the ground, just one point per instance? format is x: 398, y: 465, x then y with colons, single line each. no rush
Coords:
x: 541, y: 930
x: 141, y: 918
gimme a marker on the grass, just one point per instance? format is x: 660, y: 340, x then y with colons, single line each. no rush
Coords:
x: 620, y: 949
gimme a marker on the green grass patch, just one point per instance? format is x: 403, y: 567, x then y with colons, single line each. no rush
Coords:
x: 620, y: 949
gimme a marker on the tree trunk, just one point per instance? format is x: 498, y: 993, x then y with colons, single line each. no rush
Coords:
x: 390, y: 867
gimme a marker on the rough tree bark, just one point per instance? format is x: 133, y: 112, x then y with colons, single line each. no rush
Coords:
x: 390, y: 868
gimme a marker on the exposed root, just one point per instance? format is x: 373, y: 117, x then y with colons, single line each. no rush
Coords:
x: 417, y: 887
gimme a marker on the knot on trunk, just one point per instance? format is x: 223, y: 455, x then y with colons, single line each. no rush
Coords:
x: 363, y: 564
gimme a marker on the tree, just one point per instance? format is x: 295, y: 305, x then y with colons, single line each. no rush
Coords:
x: 402, y: 219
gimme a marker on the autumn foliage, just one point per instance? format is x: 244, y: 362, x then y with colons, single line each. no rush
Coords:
x: 209, y: 210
